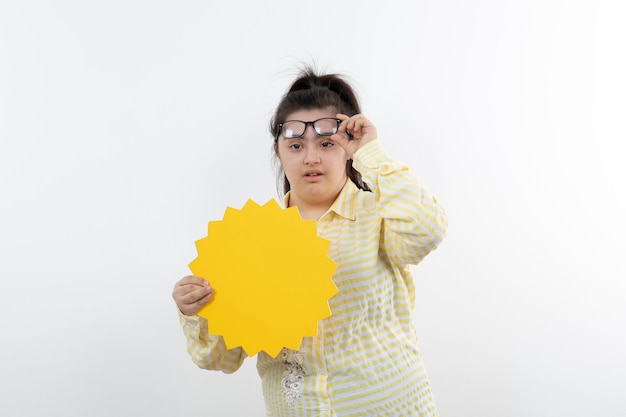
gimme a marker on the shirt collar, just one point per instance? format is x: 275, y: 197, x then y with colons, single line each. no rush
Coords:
x: 343, y: 204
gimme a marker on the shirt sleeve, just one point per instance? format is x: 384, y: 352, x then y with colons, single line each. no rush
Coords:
x: 414, y: 223
x: 209, y: 351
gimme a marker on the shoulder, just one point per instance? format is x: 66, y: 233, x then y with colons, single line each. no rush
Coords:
x: 365, y: 202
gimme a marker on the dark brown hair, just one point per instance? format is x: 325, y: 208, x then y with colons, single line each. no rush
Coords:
x: 311, y: 91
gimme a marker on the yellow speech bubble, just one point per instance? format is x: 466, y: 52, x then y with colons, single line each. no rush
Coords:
x: 271, y: 276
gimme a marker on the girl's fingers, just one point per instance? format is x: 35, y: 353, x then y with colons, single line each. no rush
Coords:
x: 192, y: 279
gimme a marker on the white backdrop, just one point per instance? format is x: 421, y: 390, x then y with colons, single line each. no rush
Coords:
x: 126, y: 126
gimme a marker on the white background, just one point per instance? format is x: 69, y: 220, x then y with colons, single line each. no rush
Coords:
x: 126, y: 126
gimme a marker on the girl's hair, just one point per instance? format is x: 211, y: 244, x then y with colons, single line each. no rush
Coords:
x: 312, y: 91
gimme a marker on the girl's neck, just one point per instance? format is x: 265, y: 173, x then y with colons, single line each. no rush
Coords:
x: 309, y: 210
x: 313, y: 214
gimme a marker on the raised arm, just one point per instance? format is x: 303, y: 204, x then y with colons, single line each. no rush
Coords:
x: 413, y: 221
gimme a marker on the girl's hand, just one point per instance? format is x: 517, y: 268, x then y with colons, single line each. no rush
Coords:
x: 191, y: 293
x: 361, y: 131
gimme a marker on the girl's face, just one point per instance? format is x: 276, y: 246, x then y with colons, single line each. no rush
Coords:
x: 314, y: 165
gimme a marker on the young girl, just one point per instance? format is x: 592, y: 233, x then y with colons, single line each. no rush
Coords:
x: 365, y: 360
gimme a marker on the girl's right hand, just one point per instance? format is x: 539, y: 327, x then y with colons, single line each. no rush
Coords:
x: 191, y: 293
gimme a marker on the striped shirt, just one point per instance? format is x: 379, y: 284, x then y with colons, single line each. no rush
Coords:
x: 365, y: 359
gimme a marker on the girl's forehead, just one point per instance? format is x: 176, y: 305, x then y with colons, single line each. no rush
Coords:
x: 311, y: 114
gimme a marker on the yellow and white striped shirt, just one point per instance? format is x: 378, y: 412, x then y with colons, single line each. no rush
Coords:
x: 365, y: 360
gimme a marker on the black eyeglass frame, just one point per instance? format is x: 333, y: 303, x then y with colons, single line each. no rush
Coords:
x: 307, y: 124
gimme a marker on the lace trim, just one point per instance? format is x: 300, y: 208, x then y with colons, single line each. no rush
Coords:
x: 293, y: 375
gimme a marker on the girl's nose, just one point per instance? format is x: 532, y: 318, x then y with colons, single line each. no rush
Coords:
x: 312, y: 155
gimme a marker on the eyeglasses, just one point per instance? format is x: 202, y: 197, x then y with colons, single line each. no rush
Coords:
x: 291, y: 129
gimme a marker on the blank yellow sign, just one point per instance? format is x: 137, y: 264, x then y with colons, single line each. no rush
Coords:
x: 271, y: 277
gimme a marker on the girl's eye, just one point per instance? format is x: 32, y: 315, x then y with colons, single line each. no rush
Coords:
x: 327, y: 144
x: 295, y: 145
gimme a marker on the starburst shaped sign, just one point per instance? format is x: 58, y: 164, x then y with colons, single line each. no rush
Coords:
x: 271, y: 277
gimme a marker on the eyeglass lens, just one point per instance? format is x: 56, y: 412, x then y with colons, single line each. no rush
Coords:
x: 323, y: 127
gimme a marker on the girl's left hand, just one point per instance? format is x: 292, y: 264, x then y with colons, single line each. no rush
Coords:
x: 361, y: 129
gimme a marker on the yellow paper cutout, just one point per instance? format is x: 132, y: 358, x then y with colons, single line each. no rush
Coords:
x: 271, y: 277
